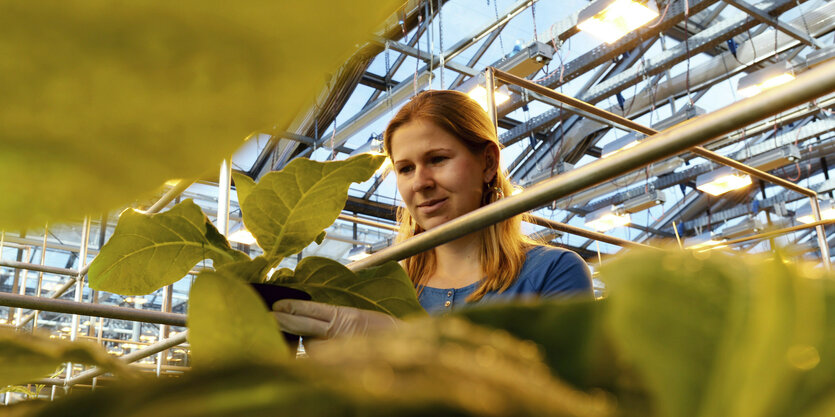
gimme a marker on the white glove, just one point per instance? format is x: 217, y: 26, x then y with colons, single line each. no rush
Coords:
x: 325, y: 321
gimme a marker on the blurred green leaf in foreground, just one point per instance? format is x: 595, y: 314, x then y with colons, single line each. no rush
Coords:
x: 104, y: 101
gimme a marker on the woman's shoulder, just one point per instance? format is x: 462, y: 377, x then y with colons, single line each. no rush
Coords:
x: 539, y: 254
x: 554, y: 269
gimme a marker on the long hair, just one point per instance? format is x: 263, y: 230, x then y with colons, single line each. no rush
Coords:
x: 504, y: 247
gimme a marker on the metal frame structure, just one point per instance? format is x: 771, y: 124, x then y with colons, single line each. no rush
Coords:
x: 677, y: 139
x: 615, y: 68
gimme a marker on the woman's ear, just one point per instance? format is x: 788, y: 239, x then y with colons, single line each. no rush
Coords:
x: 491, y: 159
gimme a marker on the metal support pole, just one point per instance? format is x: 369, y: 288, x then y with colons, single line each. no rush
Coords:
x: 769, y: 234
x: 224, y: 184
x: 368, y: 222
x: 821, y: 233
x: 179, y: 339
x: 554, y: 225
x: 22, y: 287
x: 95, y: 310
x: 814, y: 83
x: 79, y: 286
x: 39, y: 268
x: 40, y: 273
x: 168, y: 197
x: 622, y: 121
x: 490, y: 86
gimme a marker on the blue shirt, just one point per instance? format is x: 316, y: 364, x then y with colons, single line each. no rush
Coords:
x: 547, y: 271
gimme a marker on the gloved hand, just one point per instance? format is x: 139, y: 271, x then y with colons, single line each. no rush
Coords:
x: 325, y: 321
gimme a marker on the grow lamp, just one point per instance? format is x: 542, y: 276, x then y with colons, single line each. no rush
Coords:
x: 621, y: 144
x: 610, y: 20
x: 721, y: 181
x: 775, y: 158
x: 479, y: 94
x: 805, y: 215
x: 644, y: 201
x: 744, y: 227
x: 607, y: 218
x: 768, y: 77
x: 358, y: 252
x: 242, y: 236
x: 702, y: 241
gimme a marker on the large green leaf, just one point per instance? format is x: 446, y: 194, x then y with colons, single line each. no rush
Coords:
x: 150, y: 251
x: 228, y: 323
x: 250, y: 270
x: 563, y: 329
x: 385, y: 288
x: 27, y: 356
x: 715, y: 334
x: 110, y: 99
x: 243, y: 186
x: 435, y: 367
x: 288, y: 209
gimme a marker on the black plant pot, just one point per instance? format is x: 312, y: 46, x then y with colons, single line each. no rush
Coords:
x: 272, y: 293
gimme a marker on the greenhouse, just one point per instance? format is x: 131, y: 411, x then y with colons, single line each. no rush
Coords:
x: 430, y: 207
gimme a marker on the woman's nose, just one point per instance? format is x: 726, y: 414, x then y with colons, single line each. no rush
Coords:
x: 422, y: 179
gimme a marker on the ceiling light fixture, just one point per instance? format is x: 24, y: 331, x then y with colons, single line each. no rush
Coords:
x: 607, y: 218
x: 805, y: 215
x: 703, y: 241
x: 610, y: 20
x: 722, y: 180
x: 479, y: 94
x: 621, y: 144
x: 763, y: 79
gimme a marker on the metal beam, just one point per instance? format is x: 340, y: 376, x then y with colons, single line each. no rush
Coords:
x: 806, y: 87
x: 87, y: 309
x: 786, y: 28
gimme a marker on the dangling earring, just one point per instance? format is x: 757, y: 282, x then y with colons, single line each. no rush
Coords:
x: 496, y: 194
x: 492, y: 192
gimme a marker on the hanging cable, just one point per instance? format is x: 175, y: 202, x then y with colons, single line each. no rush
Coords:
x: 533, y: 15
x: 687, y: 49
x: 496, y: 8
x: 441, y: 42
x: 417, y: 60
x: 430, y: 39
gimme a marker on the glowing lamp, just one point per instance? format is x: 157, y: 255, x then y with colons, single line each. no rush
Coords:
x: 621, y: 144
x: 704, y: 241
x: 768, y: 77
x: 610, y: 20
x: 242, y: 236
x: 479, y: 94
x: 358, y: 252
x: 805, y: 215
x: 607, y: 218
x: 721, y: 181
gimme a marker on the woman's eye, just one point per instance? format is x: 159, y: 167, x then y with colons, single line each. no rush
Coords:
x: 439, y: 159
x: 403, y: 170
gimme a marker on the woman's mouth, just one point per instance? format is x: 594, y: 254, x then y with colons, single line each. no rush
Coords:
x: 431, y: 206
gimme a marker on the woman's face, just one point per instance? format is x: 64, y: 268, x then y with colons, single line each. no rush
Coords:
x: 437, y: 176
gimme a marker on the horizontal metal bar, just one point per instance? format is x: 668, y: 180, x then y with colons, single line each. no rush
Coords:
x: 764, y: 17
x: 367, y: 222
x: 87, y: 309
x: 622, y: 121
x: 588, y: 234
x: 157, y: 347
x: 679, y: 138
x: 169, y: 196
x: 40, y: 268
x: 427, y: 57
x: 769, y: 234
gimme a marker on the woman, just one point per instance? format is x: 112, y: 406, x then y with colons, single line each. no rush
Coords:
x: 445, y: 153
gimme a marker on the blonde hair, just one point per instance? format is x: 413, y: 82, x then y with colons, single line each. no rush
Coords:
x: 504, y: 247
